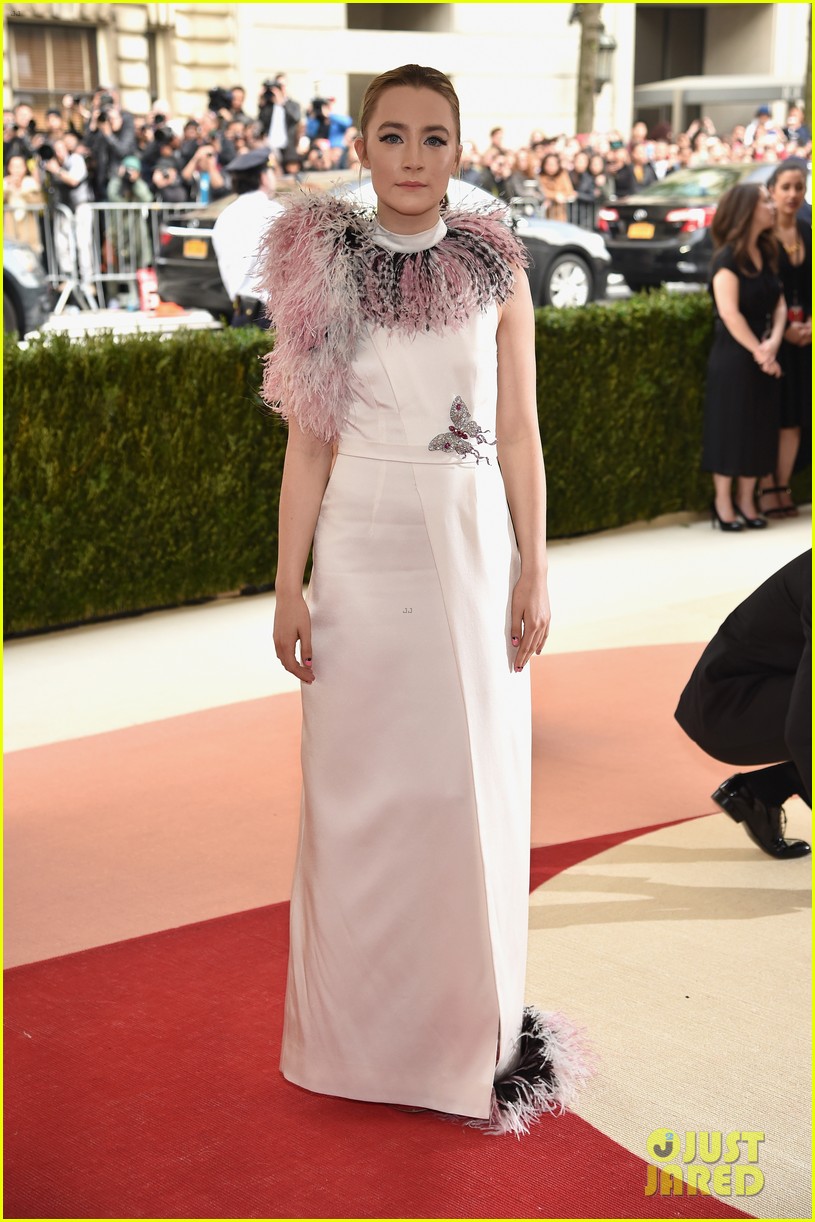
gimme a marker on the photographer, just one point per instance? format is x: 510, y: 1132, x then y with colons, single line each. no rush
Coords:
x: 19, y: 134
x: 203, y: 176
x: 75, y: 113
x: 233, y: 141
x: 129, y: 236
x: 55, y: 126
x: 167, y: 184
x: 323, y: 124
x: 279, y: 116
x: 65, y: 179
x: 152, y: 133
x: 235, y: 112
x: 111, y: 136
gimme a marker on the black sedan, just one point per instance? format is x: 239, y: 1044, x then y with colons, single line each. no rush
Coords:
x: 663, y: 234
x: 568, y: 266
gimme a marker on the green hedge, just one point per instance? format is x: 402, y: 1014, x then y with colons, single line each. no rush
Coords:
x: 141, y: 472
x: 138, y: 473
x: 620, y: 391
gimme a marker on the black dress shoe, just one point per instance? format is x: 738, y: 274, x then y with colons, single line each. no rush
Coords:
x: 763, y: 824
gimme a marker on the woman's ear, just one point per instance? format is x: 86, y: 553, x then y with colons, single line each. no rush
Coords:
x: 359, y: 149
x: 457, y: 162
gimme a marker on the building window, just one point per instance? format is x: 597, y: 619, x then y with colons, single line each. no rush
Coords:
x: 436, y: 18
x: 50, y: 61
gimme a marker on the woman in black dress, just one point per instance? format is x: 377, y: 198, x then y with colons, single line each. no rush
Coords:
x: 743, y: 392
x: 787, y: 187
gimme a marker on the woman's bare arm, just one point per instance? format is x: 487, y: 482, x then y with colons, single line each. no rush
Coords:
x: 305, y: 475
x: 726, y: 294
x: 521, y: 460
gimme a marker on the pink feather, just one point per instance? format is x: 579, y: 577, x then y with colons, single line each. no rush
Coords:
x: 326, y: 279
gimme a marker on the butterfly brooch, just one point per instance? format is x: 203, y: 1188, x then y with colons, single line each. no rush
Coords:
x: 462, y: 428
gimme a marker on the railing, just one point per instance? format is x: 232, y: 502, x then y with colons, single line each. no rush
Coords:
x: 582, y: 213
x: 89, y: 254
x: 97, y: 248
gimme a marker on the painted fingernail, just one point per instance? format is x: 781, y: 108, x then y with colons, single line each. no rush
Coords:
x: 307, y: 662
x: 515, y: 640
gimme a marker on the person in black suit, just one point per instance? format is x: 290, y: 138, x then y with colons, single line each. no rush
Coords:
x: 749, y: 701
x: 633, y: 178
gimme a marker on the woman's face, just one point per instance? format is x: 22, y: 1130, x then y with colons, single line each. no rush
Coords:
x: 597, y: 166
x: 16, y: 169
x: 581, y: 162
x: 550, y: 164
x: 411, y: 149
x: 764, y: 214
x: 788, y: 192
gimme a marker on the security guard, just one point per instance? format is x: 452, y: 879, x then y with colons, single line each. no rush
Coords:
x: 238, y: 231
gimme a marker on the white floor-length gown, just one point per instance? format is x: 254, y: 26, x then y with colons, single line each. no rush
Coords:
x: 409, y: 905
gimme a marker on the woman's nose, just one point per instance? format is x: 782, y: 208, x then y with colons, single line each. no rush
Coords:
x: 412, y: 154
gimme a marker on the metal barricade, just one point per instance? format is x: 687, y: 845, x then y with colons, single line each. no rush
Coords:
x: 583, y: 213
x: 579, y: 212
x: 125, y: 239
x: 88, y: 255
x: 51, y: 231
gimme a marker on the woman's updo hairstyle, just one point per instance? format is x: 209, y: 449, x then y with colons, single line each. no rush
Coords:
x: 418, y: 78
x: 783, y: 167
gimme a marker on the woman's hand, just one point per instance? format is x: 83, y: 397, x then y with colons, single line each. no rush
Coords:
x: 766, y: 351
x: 799, y: 333
x: 530, y: 617
x: 292, y: 623
x: 772, y: 368
x: 792, y: 335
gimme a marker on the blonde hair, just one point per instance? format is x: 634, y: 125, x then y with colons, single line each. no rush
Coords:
x: 419, y: 78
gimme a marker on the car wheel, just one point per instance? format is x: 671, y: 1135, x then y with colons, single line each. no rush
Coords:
x: 642, y: 286
x: 567, y: 282
x: 11, y: 321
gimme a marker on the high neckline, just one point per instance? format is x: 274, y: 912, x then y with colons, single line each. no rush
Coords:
x: 408, y: 243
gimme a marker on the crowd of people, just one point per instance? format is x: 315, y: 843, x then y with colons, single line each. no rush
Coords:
x: 93, y: 149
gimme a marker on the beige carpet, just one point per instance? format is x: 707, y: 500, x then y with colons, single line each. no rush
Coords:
x: 685, y: 953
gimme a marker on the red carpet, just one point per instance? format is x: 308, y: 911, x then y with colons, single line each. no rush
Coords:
x: 142, y: 1082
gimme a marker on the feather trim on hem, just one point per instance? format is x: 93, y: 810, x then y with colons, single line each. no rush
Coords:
x: 554, y: 1061
x: 325, y: 278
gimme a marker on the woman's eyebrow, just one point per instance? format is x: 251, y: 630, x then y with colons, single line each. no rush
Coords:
x: 403, y: 127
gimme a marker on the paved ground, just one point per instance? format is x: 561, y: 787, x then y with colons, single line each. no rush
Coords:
x: 666, y: 582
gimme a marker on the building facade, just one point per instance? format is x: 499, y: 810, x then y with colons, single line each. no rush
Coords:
x: 514, y: 65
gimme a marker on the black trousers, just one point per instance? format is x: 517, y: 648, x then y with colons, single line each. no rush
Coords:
x: 749, y: 699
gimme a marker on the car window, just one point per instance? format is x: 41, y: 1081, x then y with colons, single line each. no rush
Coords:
x: 686, y: 184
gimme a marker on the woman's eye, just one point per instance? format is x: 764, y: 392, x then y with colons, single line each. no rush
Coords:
x: 436, y: 141
x: 389, y: 138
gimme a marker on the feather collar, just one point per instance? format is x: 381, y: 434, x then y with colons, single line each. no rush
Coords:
x: 325, y: 278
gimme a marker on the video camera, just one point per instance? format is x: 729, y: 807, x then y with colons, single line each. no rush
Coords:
x: 220, y: 99
x: 267, y: 96
x: 105, y: 101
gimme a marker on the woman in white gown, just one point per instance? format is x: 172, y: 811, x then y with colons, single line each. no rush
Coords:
x: 404, y: 363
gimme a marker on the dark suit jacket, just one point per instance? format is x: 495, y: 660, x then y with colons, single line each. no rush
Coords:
x: 748, y: 700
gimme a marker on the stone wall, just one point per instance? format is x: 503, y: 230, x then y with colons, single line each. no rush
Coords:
x: 194, y: 48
